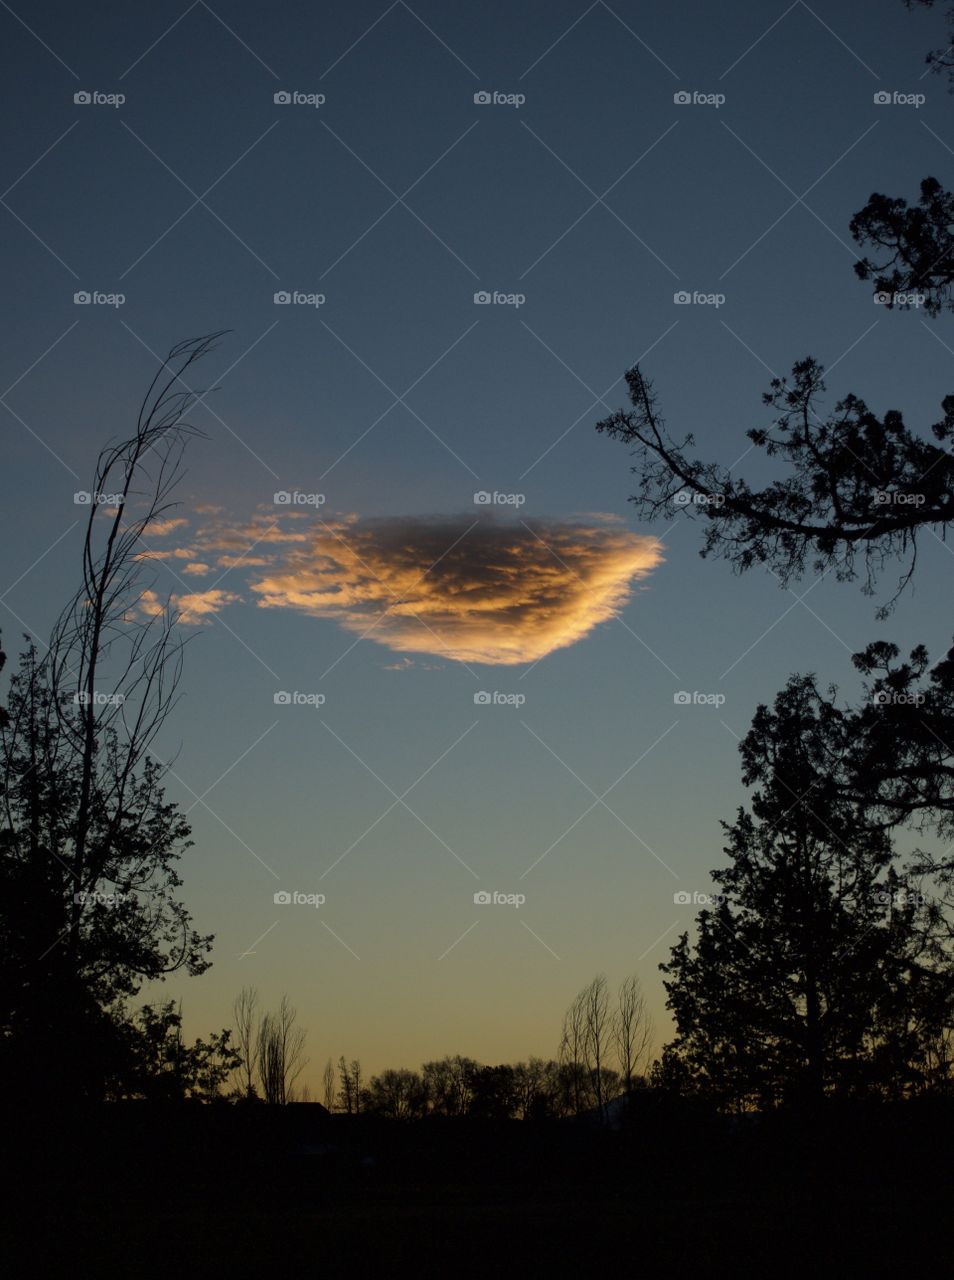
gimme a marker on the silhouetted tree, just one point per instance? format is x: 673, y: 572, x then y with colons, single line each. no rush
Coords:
x: 164, y: 1068
x: 913, y: 247
x: 810, y: 975
x: 941, y: 60
x: 245, y: 1016
x: 280, y: 1053
x: 450, y: 1085
x: 632, y: 1030
x: 397, y: 1094
x: 328, y: 1086
x: 88, y: 843
x: 855, y: 485
x: 349, y: 1086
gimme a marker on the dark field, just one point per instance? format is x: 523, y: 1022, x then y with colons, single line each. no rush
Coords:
x: 215, y: 1191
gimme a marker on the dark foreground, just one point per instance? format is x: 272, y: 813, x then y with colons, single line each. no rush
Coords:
x: 135, y: 1190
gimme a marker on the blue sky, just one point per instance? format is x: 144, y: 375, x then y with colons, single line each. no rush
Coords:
x: 397, y: 199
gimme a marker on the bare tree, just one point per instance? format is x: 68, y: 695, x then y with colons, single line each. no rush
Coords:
x: 597, y: 1033
x: 281, y: 1060
x: 573, y: 1052
x: 349, y: 1093
x: 115, y: 654
x: 632, y: 1030
x: 245, y: 1015
x: 328, y: 1086
x: 90, y: 843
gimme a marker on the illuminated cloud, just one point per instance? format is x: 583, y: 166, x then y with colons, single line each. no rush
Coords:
x: 468, y: 588
x: 159, y: 528
x: 192, y: 607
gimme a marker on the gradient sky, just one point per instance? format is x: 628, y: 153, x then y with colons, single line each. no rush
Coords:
x: 399, y: 198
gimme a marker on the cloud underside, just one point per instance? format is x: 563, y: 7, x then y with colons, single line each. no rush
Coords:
x: 468, y: 589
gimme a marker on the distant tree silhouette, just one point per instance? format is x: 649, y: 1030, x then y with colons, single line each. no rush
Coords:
x: 397, y: 1094
x: 632, y: 1030
x: 247, y: 1045
x: 328, y: 1086
x: 591, y: 1032
x: 811, y: 974
x: 280, y: 1053
x: 88, y: 843
x: 349, y: 1086
x: 450, y: 1085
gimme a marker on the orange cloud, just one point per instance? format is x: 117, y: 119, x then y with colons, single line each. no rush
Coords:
x: 469, y: 588
x: 159, y: 528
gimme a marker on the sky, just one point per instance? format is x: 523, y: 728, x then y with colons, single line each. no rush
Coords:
x: 435, y: 654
